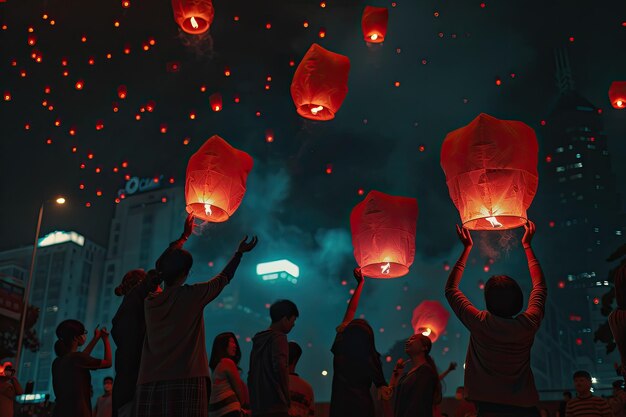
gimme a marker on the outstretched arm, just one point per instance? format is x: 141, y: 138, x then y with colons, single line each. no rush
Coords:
x: 445, y: 373
x: 354, y: 300
x: 537, y: 301
x: 215, y: 285
x: 107, y: 361
x: 461, y: 306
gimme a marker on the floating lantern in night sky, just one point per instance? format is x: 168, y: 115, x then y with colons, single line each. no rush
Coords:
x: 320, y: 83
x: 491, y: 172
x: 430, y: 318
x: 383, y: 234
x: 216, y: 180
x: 215, y: 101
x: 617, y: 94
x: 193, y: 16
x: 374, y: 24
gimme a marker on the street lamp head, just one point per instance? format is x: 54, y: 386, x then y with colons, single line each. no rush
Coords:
x: 60, y: 200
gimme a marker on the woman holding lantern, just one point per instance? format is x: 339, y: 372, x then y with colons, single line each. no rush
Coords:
x: 356, y: 363
x: 498, y: 377
x: 174, y: 376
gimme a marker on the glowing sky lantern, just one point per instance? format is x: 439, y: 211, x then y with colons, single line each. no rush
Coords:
x: 216, y: 180
x: 215, y: 101
x: 193, y: 16
x: 383, y: 234
x: 617, y: 94
x: 430, y: 318
x: 491, y: 172
x: 374, y: 24
x: 320, y: 83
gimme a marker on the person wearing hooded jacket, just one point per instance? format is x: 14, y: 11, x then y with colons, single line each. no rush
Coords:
x: 268, y: 379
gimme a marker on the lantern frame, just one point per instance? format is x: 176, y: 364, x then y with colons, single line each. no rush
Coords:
x: 374, y: 22
x: 617, y: 94
x: 430, y: 315
x: 186, y: 12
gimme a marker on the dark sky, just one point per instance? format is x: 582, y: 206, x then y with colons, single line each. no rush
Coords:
x: 446, y: 65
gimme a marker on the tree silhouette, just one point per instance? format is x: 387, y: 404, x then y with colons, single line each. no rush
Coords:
x: 603, y: 333
x: 9, y: 333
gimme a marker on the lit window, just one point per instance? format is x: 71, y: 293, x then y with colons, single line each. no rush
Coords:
x: 577, y: 156
x: 578, y: 165
x: 559, y: 149
x: 560, y: 169
x: 596, y: 230
x: 618, y: 233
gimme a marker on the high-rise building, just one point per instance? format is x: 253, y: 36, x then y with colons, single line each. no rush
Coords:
x: 584, y: 221
x: 65, y: 284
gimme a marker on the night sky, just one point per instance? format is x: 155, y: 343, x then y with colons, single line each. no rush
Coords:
x: 445, y: 55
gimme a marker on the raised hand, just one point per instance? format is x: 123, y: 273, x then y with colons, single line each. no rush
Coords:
x: 529, y: 232
x: 452, y: 366
x: 104, y: 333
x: 245, y: 246
x: 97, y: 332
x: 358, y: 275
x: 464, y: 236
x: 188, y: 226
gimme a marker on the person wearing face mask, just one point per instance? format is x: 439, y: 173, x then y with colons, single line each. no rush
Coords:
x: 419, y: 390
x: 71, y: 379
x: 104, y: 405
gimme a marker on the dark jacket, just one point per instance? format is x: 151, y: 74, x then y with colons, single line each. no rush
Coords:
x: 268, y: 379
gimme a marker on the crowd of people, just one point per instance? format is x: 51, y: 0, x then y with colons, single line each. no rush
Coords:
x: 162, y: 368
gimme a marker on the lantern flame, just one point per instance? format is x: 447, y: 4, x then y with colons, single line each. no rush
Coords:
x: 385, y: 268
x: 494, y: 222
x: 427, y: 331
x: 620, y: 103
x: 194, y: 24
x: 207, y: 209
x: 317, y: 109
x: 374, y: 36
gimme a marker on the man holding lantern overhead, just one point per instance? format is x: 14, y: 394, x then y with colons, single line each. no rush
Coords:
x: 498, y: 377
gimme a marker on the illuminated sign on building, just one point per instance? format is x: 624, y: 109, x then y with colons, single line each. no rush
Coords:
x: 57, y: 237
x: 269, y: 271
x: 137, y: 185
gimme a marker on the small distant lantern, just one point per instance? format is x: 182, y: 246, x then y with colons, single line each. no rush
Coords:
x: 193, y: 16
x: 491, y: 172
x: 430, y: 318
x: 617, y: 94
x: 122, y: 92
x: 383, y: 234
x: 374, y: 24
x: 320, y: 83
x: 215, y: 101
x: 216, y: 180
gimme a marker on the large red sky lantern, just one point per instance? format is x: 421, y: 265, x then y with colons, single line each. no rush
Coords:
x: 193, y: 16
x: 430, y: 318
x: 383, y: 234
x: 617, y: 94
x: 374, y: 24
x: 491, y: 172
x: 216, y: 180
x: 320, y: 83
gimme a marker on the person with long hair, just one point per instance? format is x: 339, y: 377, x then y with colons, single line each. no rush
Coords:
x: 71, y: 379
x: 498, y: 376
x: 174, y: 376
x: 129, y: 327
x: 229, y: 394
x: 356, y: 363
x: 419, y: 390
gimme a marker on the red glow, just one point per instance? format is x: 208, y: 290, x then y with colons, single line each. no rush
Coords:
x: 124, y: 164
x: 579, y: 341
x: 322, y: 33
x: 360, y: 191
x: 269, y: 136
x: 7, y: 96
x: 329, y: 169
x: 79, y: 84
x: 227, y: 72
x: 126, y: 4
x: 561, y: 284
x: 548, y: 158
x: 122, y: 92
x: 215, y: 101
x: 543, y: 123
x: 422, y: 148
x: 171, y: 180
x: 98, y: 170
x: 388, y: 359
x: 163, y: 199
x: 163, y: 128
x: 596, y: 301
x: 397, y: 83
x: 268, y: 26
x: 81, y: 186
x: 87, y: 204
x: 571, y: 39
x: 99, y: 193
x: 498, y: 81
x: 551, y: 224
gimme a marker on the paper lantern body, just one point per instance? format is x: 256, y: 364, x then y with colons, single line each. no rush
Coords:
x: 320, y: 83
x: 430, y: 318
x: 383, y: 234
x: 193, y: 16
x: 491, y: 172
x: 215, y: 101
x: 216, y: 180
x: 374, y: 24
x: 617, y: 94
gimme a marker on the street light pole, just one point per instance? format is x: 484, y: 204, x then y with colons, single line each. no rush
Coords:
x: 20, y: 338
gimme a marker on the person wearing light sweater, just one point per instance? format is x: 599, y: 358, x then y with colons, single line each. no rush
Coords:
x: 498, y: 376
